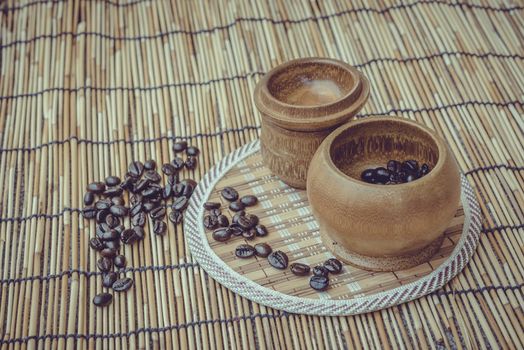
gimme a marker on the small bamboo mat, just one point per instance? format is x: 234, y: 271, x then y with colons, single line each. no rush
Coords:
x: 87, y: 86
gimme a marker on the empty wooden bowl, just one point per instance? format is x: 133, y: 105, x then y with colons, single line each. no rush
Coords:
x: 301, y: 102
x: 382, y: 227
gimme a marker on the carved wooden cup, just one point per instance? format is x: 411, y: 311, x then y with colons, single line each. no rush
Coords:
x: 382, y: 227
x: 301, y: 102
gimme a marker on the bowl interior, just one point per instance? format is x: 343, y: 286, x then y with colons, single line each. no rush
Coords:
x: 373, y: 144
x: 311, y: 83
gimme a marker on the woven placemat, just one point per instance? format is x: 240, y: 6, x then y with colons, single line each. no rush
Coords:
x: 285, y: 212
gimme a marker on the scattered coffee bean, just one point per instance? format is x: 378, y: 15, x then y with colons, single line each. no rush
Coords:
x: 215, y: 212
x: 192, y: 151
x: 135, y: 209
x: 237, y: 216
x: 278, y: 260
x: 191, y: 163
x: 136, y: 169
x: 333, y: 265
x: 103, y: 204
x: 118, y: 200
x: 168, y: 169
x: 235, y: 230
x: 141, y: 185
x: 96, y: 243
x: 178, y: 163
x: 89, y: 212
x: 249, y: 200
x: 263, y: 250
x: 300, y: 269
x: 244, y: 251
x: 101, y: 215
x: 109, y: 278
x: 113, y: 192
x: 138, y: 219
x: 104, y: 264
x: 368, y: 175
x: 320, y: 270
x: 119, y: 210
x: 108, y: 253
x: 221, y: 234
x: 320, y: 283
x: 135, y: 199
x: 167, y: 192
x: 139, y: 232
x: 122, y: 284
x: 210, y: 222
x: 89, y: 198
x: 393, y: 166
x: 236, y: 206
x: 249, y: 234
x: 180, y: 203
x: 229, y: 194
x: 147, y: 207
x: 103, y: 299
x: 112, y: 221
x: 247, y: 221
x: 211, y: 205
x: 175, y: 217
x: 179, y: 146
x: 382, y: 175
x: 112, y: 181
x: 261, y: 230
x: 110, y: 235
x: 96, y: 187
x: 172, y: 179
x: 112, y: 245
x: 152, y: 176
x: 189, y: 187
x: 150, y: 164
x: 396, y: 172
x: 223, y: 221
x: 410, y: 166
x: 120, y: 261
x: 159, y: 227
x: 128, y: 236
x: 158, y: 213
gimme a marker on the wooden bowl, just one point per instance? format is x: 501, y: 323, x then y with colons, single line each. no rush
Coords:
x: 301, y: 102
x: 382, y: 227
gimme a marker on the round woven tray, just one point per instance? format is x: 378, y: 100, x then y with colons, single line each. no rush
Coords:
x: 292, y: 228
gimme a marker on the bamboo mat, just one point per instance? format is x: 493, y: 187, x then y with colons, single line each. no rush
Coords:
x: 87, y: 86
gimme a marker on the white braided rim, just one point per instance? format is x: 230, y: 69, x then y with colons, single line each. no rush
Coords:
x: 223, y: 274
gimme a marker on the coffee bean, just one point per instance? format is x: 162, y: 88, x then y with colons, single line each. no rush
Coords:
x: 189, y: 187
x: 119, y: 210
x: 127, y: 184
x: 300, y: 269
x: 244, y: 251
x: 262, y: 250
x: 168, y: 169
x: 120, y: 261
x: 261, y: 230
x: 150, y: 164
x: 96, y: 187
x: 215, y: 212
x: 89, y: 212
x: 158, y: 213
x: 112, y: 221
x: 96, y: 243
x: 236, y: 206
x: 410, y: 166
x: 320, y: 283
x: 368, y: 176
x: 120, y: 228
x: 112, y: 245
x: 237, y: 216
x: 410, y: 178
x: 179, y: 146
x: 178, y: 189
x: 148, y: 206
x: 152, y: 176
x: 211, y: 205
x: 192, y: 151
x: 333, y: 265
x: 135, y: 199
x: 229, y: 194
x: 175, y: 217
x: 278, y: 259
x: 180, y: 203
x: 103, y: 299
x: 382, y: 175
x: 112, y: 180
x: 89, y: 198
x: 113, y: 192
x: 135, y: 209
x: 108, y: 253
x: 249, y: 234
x: 150, y: 192
x: 118, y: 201
x: 140, y: 185
x: 235, y: 230
x: 320, y: 270
x: 167, y: 192
x: 110, y: 235
x: 223, y: 221
x: 104, y: 264
x: 138, y: 219
x: 424, y: 170
x: 103, y: 204
x: 191, y: 163
x: 101, y: 215
x: 247, y: 221
x: 178, y: 163
x: 128, y: 236
x: 122, y: 284
x: 101, y: 228
x: 159, y: 227
x: 136, y: 169
x: 249, y: 200
x: 109, y: 278
x: 210, y: 222
x: 172, y: 180
x: 221, y: 234
x: 139, y: 232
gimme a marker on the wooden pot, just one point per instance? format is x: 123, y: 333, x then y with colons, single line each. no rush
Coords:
x: 382, y: 227
x: 301, y: 102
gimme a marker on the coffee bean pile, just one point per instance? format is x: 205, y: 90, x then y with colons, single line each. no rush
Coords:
x: 146, y: 197
x: 395, y: 173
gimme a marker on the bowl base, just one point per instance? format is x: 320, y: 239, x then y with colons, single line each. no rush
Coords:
x: 385, y: 263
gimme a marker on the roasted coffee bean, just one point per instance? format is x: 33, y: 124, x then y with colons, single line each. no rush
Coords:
x: 140, y: 185
x: 101, y: 228
x: 89, y: 198
x: 89, y: 212
x: 109, y: 278
x: 96, y: 187
x: 96, y: 243
x: 235, y: 230
x: 261, y: 230
x: 151, y: 192
x: 320, y: 270
x: 122, y: 284
x: 158, y: 213
x: 229, y: 194
x: 215, y: 212
x: 159, y: 227
x: 178, y: 189
x: 127, y: 184
x: 178, y: 163
x: 300, y: 269
x: 110, y: 235
x: 249, y: 234
x: 320, y: 283
x: 221, y: 234
x: 167, y: 192
x: 237, y: 216
x: 119, y: 210
x: 368, y: 176
x: 394, y: 166
x: 136, y: 169
x: 191, y: 163
x: 118, y: 201
x: 101, y: 215
x: 333, y: 265
x: 104, y: 264
x: 210, y: 222
x: 112, y: 220
x: 192, y: 151
x: 113, y: 192
x: 278, y: 259
x: 249, y: 200
x: 189, y: 187
x: 112, y: 181
x: 135, y: 209
x: 410, y: 166
x: 135, y: 199
x: 138, y: 219
x: 263, y: 250
x: 180, y: 203
x: 150, y: 164
x: 172, y: 180
x: 148, y: 206
x: 103, y: 299
x: 424, y: 170
x: 108, y: 253
x: 112, y: 245
x: 120, y: 228
x: 244, y: 251
x: 129, y: 236
x: 120, y: 261
x: 236, y: 206
x: 211, y: 205
x: 103, y: 204
x: 410, y: 178
x: 247, y: 221
x: 175, y: 217
x: 139, y: 232
x: 223, y: 221
x: 179, y: 146
x: 382, y: 175
x: 152, y: 176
